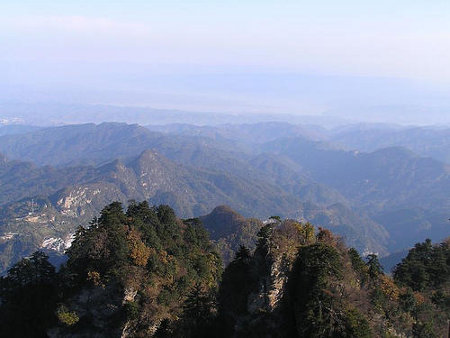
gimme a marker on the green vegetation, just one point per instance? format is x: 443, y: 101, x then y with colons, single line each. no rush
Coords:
x: 67, y: 317
x: 425, y: 267
x: 144, y: 272
x: 28, y: 297
x: 138, y: 268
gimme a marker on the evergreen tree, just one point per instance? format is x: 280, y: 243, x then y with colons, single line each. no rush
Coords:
x: 374, y: 267
x: 198, y: 312
x: 425, y: 266
x: 28, y: 297
x: 238, y: 281
x: 311, y: 292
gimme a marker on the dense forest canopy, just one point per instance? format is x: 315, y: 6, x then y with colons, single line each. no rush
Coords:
x: 144, y: 272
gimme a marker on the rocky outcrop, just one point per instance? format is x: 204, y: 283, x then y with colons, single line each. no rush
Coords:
x: 271, y: 288
x: 271, y: 268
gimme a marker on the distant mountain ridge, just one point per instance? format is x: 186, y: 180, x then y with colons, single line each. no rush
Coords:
x: 425, y: 141
x: 371, y: 199
x: 392, y: 175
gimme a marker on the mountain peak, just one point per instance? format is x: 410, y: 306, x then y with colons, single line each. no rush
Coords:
x: 149, y: 154
x: 222, y: 220
x: 224, y: 210
x: 149, y: 158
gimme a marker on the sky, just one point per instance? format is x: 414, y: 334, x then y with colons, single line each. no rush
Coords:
x: 155, y: 46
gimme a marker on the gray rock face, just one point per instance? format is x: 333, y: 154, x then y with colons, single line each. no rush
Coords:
x: 271, y: 288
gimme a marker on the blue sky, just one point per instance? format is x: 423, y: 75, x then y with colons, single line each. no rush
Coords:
x: 81, y: 42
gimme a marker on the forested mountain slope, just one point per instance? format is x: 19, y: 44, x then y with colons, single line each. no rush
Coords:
x: 391, y: 175
x: 406, y: 193
x: 143, y: 272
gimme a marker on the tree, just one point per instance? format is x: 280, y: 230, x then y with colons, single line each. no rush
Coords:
x: 28, y: 297
x: 356, y: 325
x: 311, y: 290
x: 103, y: 247
x: 238, y: 281
x: 374, y: 266
x: 264, y: 237
x: 243, y: 254
x: 358, y: 265
x: 424, y: 330
x: 425, y: 266
x: 199, y: 309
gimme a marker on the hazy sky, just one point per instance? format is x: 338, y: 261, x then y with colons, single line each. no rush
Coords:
x: 384, y: 38
x: 76, y: 41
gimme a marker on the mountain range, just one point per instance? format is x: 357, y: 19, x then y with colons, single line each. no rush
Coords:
x: 53, y: 179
